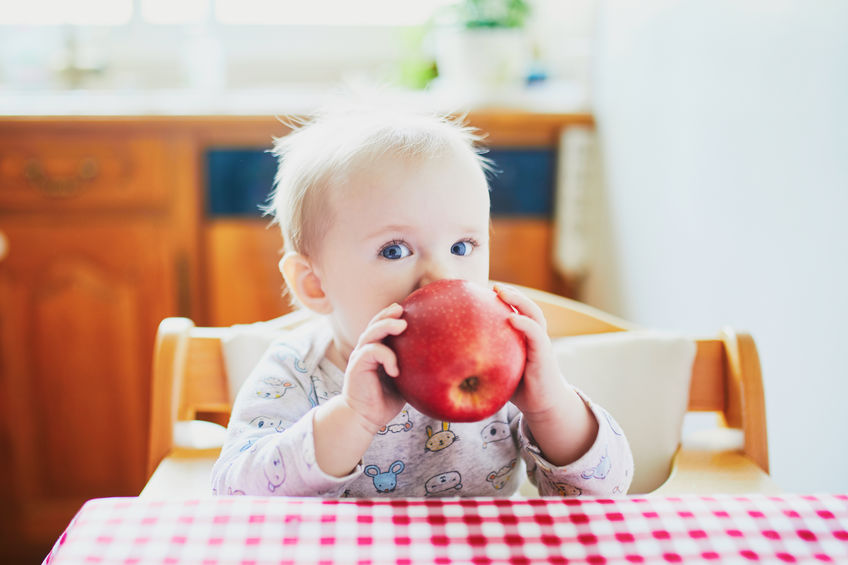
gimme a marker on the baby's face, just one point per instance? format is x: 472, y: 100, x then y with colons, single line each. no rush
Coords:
x: 398, y: 225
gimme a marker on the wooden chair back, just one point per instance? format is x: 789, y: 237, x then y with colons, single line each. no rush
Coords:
x: 190, y: 380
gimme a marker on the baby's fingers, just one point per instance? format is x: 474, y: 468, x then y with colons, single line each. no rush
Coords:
x: 379, y: 329
x: 393, y: 310
x: 522, y: 303
x: 370, y: 356
x: 535, y: 334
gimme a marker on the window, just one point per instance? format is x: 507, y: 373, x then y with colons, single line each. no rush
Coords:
x: 171, y: 12
x: 229, y: 12
x: 58, y: 12
x: 326, y: 12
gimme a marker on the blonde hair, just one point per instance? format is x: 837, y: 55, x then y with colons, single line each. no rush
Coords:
x: 316, y: 157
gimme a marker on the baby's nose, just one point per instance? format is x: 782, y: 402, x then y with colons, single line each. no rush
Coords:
x: 434, y: 271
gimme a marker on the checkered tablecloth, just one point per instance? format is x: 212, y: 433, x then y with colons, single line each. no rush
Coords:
x: 718, y: 529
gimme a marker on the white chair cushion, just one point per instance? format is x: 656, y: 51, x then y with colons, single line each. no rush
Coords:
x: 244, y: 344
x: 242, y: 349
x: 642, y: 379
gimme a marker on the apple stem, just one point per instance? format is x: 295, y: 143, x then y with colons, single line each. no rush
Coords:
x: 470, y: 384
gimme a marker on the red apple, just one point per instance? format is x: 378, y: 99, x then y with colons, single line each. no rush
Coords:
x: 459, y: 358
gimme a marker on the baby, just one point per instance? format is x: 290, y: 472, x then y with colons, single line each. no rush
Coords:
x: 373, y: 204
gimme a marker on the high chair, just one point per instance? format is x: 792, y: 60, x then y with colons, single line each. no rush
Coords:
x: 190, y: 391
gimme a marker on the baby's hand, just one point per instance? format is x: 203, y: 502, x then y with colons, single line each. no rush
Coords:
x: 363, y: 390
x: 548, y: 403
x: 542, y: 384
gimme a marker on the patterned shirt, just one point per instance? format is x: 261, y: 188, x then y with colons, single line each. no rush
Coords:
x: 270, y: 448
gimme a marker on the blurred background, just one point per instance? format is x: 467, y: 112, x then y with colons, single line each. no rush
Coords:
x: 695, y: 158
x: 255, y: 45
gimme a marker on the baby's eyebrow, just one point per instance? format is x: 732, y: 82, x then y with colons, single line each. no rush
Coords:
x: 391, y: 228
x: 404, y: 228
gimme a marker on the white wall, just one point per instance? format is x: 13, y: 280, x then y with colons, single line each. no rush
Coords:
x: 724, y: 141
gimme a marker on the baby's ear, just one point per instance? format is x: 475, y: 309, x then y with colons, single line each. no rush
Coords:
x: 304, y: 283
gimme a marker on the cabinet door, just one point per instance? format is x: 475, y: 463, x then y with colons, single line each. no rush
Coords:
x: 80, y: 303
x: 243, y: 282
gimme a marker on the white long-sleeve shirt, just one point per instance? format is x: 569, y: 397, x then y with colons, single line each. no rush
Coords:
x: 270, y: 445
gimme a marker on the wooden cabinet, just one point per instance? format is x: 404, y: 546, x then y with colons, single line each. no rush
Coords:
x: 75, y: 169
x: 94, y: 260
x: 243, y: 281
x: 106, y: 232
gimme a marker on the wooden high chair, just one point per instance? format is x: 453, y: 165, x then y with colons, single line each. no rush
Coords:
x: 190, y: 389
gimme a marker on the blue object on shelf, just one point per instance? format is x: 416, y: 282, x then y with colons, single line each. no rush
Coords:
x: 524, y: 183
x: 239, y: 181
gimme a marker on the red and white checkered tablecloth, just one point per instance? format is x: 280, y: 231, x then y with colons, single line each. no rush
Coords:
x: 249, y: 530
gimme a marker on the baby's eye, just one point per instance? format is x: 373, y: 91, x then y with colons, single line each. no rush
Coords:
x: 394, y: 251
x: 462, y: 248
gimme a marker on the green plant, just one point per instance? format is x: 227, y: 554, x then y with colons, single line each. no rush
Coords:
x: 493, y: 13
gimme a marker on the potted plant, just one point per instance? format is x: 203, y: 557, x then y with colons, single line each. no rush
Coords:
x: 484, y: 45
x: 510, y: 14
